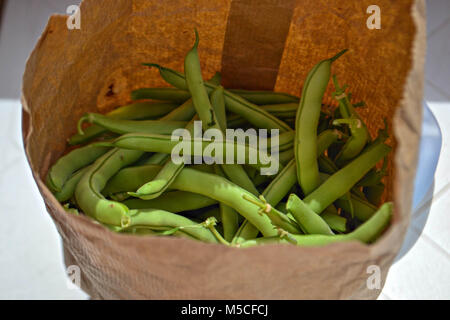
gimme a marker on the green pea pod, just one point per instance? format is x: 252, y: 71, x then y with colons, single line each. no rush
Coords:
x: 306, y: 124
x: 129, y: 126
x: 70, y: 163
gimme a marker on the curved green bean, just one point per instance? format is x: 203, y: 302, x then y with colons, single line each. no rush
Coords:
x: 134, y: 111
x: 224, y: 191
x: 128, y: 179
x: 70, y: 163
x: 130, y: 126
x: 249, y: 111
x: 87, y: 192
x: 359, y: 133
x: 156, y: 219
x: 68, y: 188
x: 173, y: 201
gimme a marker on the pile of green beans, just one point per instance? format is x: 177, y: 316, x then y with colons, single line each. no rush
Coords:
x: 328, y: 188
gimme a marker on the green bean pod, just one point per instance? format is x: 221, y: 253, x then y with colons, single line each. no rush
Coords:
x: 129, y: 179
x: 70, y: 163
x: 374, y: 193
x: 326, y: 138
x: 306, y: 124
x: 334, y: 220
x: 359, y: 133
x: 363, y: 210
x: 282, y: 184
x: 87, y: 192
x: 224, y: 191
x: 163, y: 94
x: 129, y: 126
x: 309, y: 221
x: 283, y: 110
x: 343, y: 180
x: 156, y: 219
x: 218, y: 106
x: 155, y: 187
x: 135, y: 111
x: 68, y: 188
x: 164, y: 144
x: 265, y: 97
x: 173, y: 201
x: 249, y: 111
x: 365, y: 233
x: 228, y: 216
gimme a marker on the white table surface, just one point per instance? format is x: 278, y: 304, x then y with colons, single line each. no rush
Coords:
x: 31, y: 263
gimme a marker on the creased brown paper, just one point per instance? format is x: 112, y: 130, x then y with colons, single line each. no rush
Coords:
x: 256, y: 44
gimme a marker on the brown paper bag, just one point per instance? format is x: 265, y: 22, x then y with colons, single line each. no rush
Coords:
x: 258, y: 45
